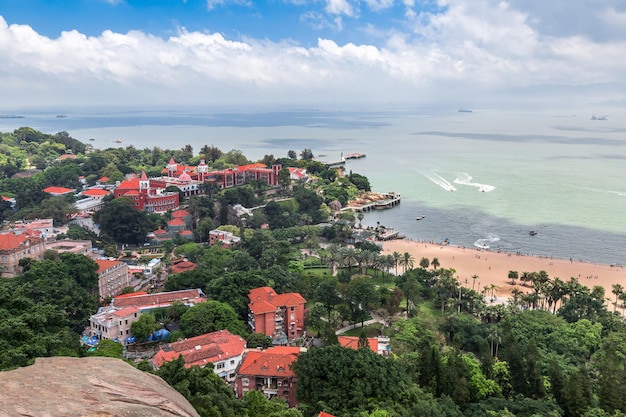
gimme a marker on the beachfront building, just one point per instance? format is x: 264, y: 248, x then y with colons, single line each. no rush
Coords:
x: 113, y: 277
x: 148, y: 194
x: 243, y: 174
x: 279, y: 316
x: 17, y: 245
x: 221, y: 348
x: 269, y: 372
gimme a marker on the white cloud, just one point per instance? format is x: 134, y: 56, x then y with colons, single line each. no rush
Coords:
x: 339, y: 7
x: 468, y: 48
x: 213, y: 4
x: 377, y: 5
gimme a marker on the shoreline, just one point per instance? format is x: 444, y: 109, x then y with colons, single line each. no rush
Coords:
x: 492, y: 267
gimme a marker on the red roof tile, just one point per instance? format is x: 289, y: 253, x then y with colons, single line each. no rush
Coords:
x: 323, y: 414
x: 203, y: 349
x: 95, y: 192
x: 265, y: 299
x: 352, y: 342
x: 104, y: 264
x: 274, y: 361
x: 176, y: 222
x: 125, y: 312
x: 154, y: 300
x: 11, y: 240
x: 180, y: 213
x: 57, y: 190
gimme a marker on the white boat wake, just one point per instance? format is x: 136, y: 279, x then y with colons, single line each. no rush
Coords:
x: 466, y: 179
x: 485, y: 242
x: 440, y: 181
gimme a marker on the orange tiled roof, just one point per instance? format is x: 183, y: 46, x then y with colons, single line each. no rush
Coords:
x: 11, y: 241
x: 352, y: 342
x: 176, y: 222
x: 274, y: 361
x: 129, y: 184
x: 153, y: 300
x: 125, y: 312
x: 57, y: 190
x: 103, y: 179
x: 104, y: 264
x: 323, y: 414
x: 265, y: 299
x: 180, y: 213
x: 203, y: 349
x: 67, y: 156
x: 182, y: 266
x: 95, y: 192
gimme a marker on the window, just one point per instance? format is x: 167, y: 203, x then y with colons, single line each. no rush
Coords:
x: 220, y: 365
x: 232, y: 361
x: 245, y: 382
x: 292, y: 309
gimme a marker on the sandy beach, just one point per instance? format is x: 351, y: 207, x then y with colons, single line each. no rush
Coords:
x: 493, y: 267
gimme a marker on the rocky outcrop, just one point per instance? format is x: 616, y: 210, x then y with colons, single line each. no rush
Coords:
x: 88, y: 387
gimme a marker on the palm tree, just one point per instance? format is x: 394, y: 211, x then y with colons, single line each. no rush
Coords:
x: 618, y: 289
x: 435, y: 263
x: 360, y: 216
x: 525, y: 277
x: 474, y: 278
x: 397, y: 257
x: 513, y: 276
x: 424, y: 263
x: 407, y: 261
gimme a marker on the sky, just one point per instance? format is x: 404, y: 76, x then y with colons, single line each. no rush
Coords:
x: 469, y: 53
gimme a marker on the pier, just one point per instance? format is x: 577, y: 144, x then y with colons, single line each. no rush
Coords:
x: 389, y: 200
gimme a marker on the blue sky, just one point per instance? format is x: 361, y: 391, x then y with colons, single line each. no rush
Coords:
x: 481, y: 52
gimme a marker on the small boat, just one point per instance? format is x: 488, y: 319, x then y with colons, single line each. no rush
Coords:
x: 420, y: 217
x: 91, y: 139
x: 532, y: 233
x: 118, y: 141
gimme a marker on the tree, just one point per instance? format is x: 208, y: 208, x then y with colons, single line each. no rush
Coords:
x: 122, y: 222
x: 513, y: 275
x: 144, y: 326
x: 292, y: 154
x: 424, y: 263
x: 366, y: 379
x: 435, y: 263
x: 256, y: 340
x: 306, y: 154
x: 209, y: 317
x: 327, y: 294
x: 206, y: 391
x: 618, y: 289
x: 362, y: 293
x: 284, y: 178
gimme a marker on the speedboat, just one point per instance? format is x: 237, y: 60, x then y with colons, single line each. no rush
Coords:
x: 420, y: 217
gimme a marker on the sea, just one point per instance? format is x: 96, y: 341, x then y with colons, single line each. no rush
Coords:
x: 483, y: 178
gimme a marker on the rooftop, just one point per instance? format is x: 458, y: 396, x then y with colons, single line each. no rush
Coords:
x: 274, y: 361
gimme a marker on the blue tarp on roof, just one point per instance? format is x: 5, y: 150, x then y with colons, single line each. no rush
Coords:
x: 159, y: 335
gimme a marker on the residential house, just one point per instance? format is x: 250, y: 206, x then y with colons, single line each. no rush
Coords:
x: 57, y: 191
x: 185, y: 216
x: 279, y: 316
x: 223, y: 238
x: 93, y: 200
x: 113, y: 276
x: 222, y: 349
x: 269, y: 371
x: 16, y: 245
x: 113, y: 323
x: 380, y: 345
x: 181, y: 265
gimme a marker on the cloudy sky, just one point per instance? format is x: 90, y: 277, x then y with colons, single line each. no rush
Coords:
x: 182, y: 52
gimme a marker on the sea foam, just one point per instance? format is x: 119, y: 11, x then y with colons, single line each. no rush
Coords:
x: 440, y: 181
x: 466, y: 179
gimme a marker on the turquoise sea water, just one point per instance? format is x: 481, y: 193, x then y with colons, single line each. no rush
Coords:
x: 484, y: 178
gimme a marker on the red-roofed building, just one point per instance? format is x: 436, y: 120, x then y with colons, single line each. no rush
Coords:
x: 98, y: 193
x: 352, y: 342
x: 102, y: 180
x: 18, y: 245
x: 222, y: 348
x: 324, y: 414
x: 148, y: 194
x: 56, y: 191
x: 242, y: 174
x: 182, y: 265
x: 163, y: 299
x: 66, y: 156
x: 280, y: 316
x: 223, y: 238
x: 269, y: 371
x: 112, y: 277
x: 183, y: 215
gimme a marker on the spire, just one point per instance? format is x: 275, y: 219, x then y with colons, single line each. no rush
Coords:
x: 144, y: 177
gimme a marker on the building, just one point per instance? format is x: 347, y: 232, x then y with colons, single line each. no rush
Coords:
x: 222, y: 348
x: 113, y: 323
x: 269, y: 371
x: 223, y: 238
x: 185, y: 216
x: 181, y: 265
x: 162, y: 299
x: 16, y: 245
x: 57, y: 191
x: 380, y: 345
x: 79, y: 247
x: 279, y: 316
x: 148, y: 194
x: 243, y: 174
x: 113, y: 277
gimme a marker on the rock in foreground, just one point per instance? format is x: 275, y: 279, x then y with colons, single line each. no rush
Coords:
x: 88, y: 387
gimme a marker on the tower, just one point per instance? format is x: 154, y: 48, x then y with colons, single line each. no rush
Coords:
x: 203, y: 169
x: 172, y: 166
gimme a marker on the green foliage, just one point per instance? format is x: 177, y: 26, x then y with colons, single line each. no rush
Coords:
x: 144, y: 326
x: 108, y: 348
x: 206, y: 392
x: 360, y: 379
x: 122, y: 222
x: 255, y: 340
x: 209, y: 317
x: 256, y: 404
